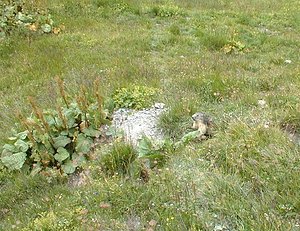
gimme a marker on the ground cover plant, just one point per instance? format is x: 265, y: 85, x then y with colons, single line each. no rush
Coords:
x: 237, y: 61
x: 135, y: 97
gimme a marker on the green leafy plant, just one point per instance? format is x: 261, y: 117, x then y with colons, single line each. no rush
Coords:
x: 14, y: 16
x: 150, y: 155
x: 135, y: 97
x: 234, y: 47
x: 153, y: 153
x: 58, y: 139
x: 187, y: 138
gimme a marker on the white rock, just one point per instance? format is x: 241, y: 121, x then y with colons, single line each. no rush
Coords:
x: 139, y: 123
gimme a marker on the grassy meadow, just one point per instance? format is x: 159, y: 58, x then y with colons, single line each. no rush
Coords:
x: 236, y: 60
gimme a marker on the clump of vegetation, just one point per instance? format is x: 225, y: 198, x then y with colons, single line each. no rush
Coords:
x: 125, y: 160
x: 291, y: 121
x: 58, y: 139
x: 116, y: 6
x: 174, y: 122
x: 135, y: 97
x: 234, y: 47
x: 14, y: 16
x: 212, y: 40
x: 119, y: 159
x: 49, y: 219
x: 166, y: 11
x: 154, y: 154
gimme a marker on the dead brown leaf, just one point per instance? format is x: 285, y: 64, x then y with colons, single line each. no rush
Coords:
x: 56, y: 30
x: 153, y: 223
x: 104, y: 205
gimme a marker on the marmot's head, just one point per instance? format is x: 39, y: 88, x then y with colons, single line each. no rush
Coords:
x: 201, y: 117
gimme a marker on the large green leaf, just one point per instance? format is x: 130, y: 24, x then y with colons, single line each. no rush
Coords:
x: 190, y: 136
x: 79, y: 160
x: 45, y: 147
x: 144, y: 147
x: 71, y: 114
x: 64, y: 133
x: 61, y: 141
x: 83, y: 144
x: 68, y: 167
x: 9, y: 148
x: 62, y: 154
x: 21, y: 145
x: 52, y: 120
x: 24, y: 18
x: 21, y: 135
x: 14, y: 161
x: 91, y: 132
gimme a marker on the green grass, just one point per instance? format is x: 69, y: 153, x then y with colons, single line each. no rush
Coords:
x: 244, y: 178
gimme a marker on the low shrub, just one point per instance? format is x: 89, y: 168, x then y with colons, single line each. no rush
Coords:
x: 16, y: 17
x: 135, y: 97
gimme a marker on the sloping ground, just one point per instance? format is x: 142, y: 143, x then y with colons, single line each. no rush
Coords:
x: 220, y: 57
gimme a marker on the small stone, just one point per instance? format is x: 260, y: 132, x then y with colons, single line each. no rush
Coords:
x: 219, y: 228
x: 288, y: 61
x: 153, y: 223
x: 159, y: 105
x: 262, y: 103
x: 266, y: 125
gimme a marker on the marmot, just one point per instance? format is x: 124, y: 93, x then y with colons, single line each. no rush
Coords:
x: 203, y: 124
